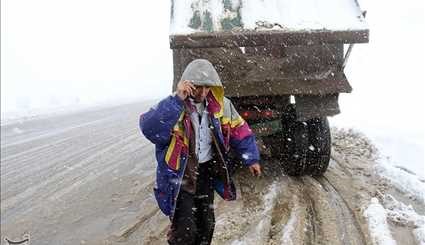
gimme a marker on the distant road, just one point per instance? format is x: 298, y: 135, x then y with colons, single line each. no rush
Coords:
x: 69, y: 174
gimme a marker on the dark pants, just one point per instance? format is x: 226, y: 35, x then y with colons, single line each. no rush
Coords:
x: 193, y: 221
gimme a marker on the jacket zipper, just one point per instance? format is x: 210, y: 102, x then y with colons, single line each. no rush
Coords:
x: 220, y: 153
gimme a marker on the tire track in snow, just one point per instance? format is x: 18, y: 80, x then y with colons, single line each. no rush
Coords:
x: 313, y: 223
x: 348, y: 225
x: 307, y: 210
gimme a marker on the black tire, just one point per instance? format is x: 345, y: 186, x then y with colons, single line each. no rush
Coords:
x: 319, y: 153
x: 303, y: 148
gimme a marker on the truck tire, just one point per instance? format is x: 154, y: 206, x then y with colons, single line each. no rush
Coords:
x: 319, y: 153
x: 303, y: 148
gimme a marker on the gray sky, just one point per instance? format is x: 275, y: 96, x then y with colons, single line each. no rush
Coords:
x: 57, y: 51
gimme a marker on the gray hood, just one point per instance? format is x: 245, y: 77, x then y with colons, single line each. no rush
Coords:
x: 202, y: 73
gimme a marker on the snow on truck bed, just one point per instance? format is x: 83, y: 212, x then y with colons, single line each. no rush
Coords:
x: 197, y: 16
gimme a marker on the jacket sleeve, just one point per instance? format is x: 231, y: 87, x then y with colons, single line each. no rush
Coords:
x: 242, y: 139
x: 158, y: 122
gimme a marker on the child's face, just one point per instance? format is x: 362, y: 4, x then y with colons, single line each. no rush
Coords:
x: 200, y: 93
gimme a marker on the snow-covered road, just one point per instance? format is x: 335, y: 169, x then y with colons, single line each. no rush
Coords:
x: 71, y: 178
x: 87, y: 178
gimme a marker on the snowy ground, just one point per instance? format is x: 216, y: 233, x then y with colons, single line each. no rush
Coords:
x: 54, y: 171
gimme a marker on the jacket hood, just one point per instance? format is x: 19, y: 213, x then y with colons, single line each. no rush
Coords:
x: 202, y: 73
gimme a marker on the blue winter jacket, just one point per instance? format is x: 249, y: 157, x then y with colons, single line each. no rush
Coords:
x: 167, y: 125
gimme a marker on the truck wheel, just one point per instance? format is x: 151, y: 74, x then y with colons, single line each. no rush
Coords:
x: 319, y: 153
x: 302, y: 147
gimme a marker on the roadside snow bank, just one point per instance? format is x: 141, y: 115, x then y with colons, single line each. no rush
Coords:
x: 397, y: 213
x: 376, y: 216
x: 352, y: 144
x: 403, y: 215
x: 404, y: 180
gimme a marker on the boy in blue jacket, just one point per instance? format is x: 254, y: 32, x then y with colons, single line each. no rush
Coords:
x: 193, y: 131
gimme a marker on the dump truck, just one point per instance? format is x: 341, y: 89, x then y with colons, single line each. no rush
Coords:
x: 281, y: 63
